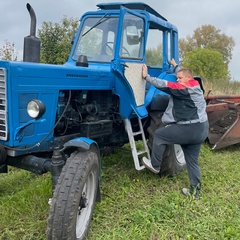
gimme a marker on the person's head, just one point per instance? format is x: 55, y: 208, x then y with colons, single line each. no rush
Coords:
x: 184, y: 75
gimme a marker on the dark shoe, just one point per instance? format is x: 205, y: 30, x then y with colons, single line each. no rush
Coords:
x: 147, y: 163
x: 193, y: 192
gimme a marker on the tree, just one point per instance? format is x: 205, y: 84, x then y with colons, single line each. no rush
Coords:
x: 56, y: 40
x: 208, y: 37
x: 207, y: 63
x: 154, y: 56
x: 8, y: 51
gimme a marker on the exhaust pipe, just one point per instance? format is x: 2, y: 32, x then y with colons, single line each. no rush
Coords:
x: 31, y: 49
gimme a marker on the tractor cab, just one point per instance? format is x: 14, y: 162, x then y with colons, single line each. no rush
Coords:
x: 131, y: 32
x: 118, y: 39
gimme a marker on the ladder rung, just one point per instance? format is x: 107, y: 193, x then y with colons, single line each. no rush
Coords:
x: 137, y: 133
x: 135, y: 152
x: 141, y: 152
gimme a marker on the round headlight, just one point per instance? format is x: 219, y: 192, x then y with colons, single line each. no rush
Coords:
x: 35, y: 108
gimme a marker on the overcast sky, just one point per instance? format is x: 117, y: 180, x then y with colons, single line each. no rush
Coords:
x: 186, y: 15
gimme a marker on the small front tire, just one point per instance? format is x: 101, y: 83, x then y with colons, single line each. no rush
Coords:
x: 74, y: 197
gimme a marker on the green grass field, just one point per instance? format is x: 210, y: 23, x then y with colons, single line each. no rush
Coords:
x: 135, y: 204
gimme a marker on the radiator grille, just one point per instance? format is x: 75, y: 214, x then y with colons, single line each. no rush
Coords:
x: 3, y: 105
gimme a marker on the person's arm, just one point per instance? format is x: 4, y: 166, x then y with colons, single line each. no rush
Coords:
x: 156, y: 82
x: 175, y: 65
x: 172, y: 88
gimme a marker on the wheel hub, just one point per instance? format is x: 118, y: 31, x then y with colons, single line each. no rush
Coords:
x: 83, y: 202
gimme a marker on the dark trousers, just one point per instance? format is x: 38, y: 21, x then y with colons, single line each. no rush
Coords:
x: 190, y: 137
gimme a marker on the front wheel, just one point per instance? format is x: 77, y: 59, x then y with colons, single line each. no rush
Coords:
x: 74, y: 197
x: 173, y: 158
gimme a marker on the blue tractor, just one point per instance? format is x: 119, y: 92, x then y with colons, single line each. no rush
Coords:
x: 58, y: 118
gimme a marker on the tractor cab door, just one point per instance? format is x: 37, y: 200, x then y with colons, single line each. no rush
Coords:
x: 128, y: 61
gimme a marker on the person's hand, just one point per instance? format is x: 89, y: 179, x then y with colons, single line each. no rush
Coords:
x: 144, y: 71
x: 172, y: 61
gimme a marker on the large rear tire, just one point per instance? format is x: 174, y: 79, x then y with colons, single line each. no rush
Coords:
x: 173, y: 158
x: 74, y: 197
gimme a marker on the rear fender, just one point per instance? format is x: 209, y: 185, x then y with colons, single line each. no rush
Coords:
x: 156, y: 98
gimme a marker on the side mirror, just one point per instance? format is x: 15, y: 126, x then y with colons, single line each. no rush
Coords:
x: 132, y: 35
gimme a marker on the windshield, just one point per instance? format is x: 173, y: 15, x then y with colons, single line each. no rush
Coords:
x: 97, y: 39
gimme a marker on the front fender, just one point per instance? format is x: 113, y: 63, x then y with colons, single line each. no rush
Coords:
x: 81, y: 142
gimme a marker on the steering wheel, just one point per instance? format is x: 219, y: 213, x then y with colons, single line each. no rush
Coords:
x: 108, y: 45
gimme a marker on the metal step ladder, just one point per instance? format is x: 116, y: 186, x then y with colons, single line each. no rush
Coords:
x: 131, y: 135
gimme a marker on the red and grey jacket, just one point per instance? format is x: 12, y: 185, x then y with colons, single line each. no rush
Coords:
x: 186, y: 104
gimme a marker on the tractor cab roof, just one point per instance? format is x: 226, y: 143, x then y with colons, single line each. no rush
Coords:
x: 130, y: 5
x: 111, y: 8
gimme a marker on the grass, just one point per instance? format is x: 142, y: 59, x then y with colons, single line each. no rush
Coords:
x: 135, y: 204
x: 221, y: 87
